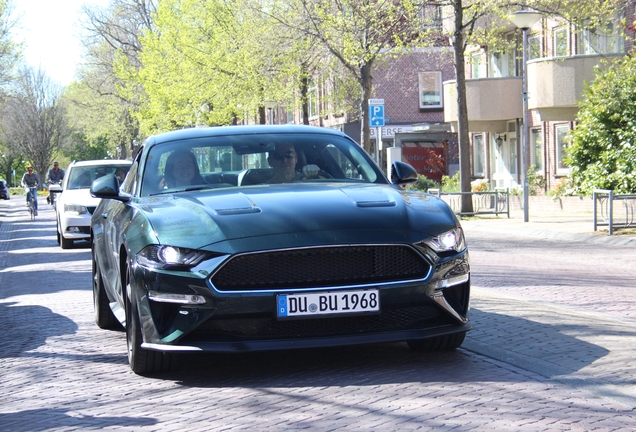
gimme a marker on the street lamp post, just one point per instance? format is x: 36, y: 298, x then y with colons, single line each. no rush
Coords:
x: 524, y: 20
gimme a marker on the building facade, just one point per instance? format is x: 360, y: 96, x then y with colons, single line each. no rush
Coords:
x: 561, y: 60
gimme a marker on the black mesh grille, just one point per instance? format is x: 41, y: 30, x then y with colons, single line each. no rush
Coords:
x: 320, y: 267
x: 389, y: 320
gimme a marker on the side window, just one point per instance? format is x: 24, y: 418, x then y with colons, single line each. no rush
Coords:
x: 130, y: 183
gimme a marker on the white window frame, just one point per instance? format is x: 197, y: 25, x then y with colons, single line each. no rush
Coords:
x: 536, y: 141
x: 431, y: 83
x: 476, y: 65
x: 560, y: 137
x: 557, y: 32
x: 479, y: 155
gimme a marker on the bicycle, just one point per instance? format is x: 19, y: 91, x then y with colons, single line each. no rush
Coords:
x: 54, y: 189
x: 31, y: 197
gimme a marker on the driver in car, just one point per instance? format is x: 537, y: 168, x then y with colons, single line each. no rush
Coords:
x: 283, y: 160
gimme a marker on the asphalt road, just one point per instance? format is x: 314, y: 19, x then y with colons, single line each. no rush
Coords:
x: 552, y: 349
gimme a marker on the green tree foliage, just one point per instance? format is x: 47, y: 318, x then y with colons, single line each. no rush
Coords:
x: 357, y: 33
x: 211, y: 63
x: 9, y: 50
x: 603, y: 145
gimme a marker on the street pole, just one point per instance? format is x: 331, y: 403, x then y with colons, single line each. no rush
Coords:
x: 524, y: 20
x: 524, y: 126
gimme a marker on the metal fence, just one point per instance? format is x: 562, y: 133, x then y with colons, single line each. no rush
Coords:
x: 613, y: 210
x: 490, y: 202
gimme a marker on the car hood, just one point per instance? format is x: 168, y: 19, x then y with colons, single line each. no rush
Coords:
x: 78, y: 196
x: 279, y: 216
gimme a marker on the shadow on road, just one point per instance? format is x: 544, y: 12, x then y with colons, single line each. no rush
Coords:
x: 28, y: 327
x: 369, y: 364
x: 42, y: 419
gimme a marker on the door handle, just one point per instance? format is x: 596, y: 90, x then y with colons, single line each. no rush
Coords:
x: 105, y: 215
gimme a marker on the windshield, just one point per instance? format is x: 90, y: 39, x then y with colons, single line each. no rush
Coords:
x: 81, y: 177
x: 247, y: 160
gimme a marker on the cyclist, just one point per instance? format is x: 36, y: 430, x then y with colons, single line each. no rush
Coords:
x: 30, y: 179
x: 56, y: 175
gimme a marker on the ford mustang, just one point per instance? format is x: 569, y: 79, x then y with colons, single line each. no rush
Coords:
x: 239, y: 238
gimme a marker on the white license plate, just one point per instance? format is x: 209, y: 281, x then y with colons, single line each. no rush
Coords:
x: 327, y: 303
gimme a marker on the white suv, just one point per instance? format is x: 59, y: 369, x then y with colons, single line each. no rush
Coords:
x: 75, y: 205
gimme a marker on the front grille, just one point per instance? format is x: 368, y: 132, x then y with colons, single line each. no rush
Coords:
x: 404, y: 318
x: 91, y: 210
x: 320, y: 267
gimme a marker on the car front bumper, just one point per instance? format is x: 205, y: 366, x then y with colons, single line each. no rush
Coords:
x: 247, y: 321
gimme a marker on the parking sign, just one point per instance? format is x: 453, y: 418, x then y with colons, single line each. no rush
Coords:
x: 376, y: 115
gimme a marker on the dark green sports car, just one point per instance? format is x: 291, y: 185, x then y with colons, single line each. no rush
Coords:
x: 242, y: 238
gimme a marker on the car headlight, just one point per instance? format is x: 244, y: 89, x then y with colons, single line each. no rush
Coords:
x: 452, y: 240
x: 170, y: 257
x: 75, y: 208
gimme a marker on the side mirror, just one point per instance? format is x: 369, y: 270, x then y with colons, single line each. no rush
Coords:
x: 107, y: 187
x: 402, y: 173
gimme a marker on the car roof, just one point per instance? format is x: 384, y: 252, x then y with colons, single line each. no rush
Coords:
x: 203, y: 132
x: 101, y: 162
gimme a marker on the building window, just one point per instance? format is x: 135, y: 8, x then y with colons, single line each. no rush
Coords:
x: 431, y: 15
x: 476, y: 66
x: 604, y: 40
x: 430, y: 89
x: 562, y: 143
x: 534, y: 47
x: 560, y: 40
x: 478, y: 155
x: 502, y: 64
x: 536, y: 152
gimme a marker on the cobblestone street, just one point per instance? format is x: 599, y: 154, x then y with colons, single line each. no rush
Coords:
x: 552, y: 348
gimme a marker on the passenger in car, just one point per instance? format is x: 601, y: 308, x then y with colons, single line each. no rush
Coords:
x: 283, y: 160
x: 181, y: 170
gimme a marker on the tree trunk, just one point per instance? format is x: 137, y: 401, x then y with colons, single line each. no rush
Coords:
x: 367, y: 87
x: 304, y: 90
x: 462, y: 111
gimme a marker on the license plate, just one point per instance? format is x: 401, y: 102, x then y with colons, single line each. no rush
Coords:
x: 328, y: 303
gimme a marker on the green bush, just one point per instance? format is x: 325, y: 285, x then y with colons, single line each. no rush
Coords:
x: 603, y: 151
x: 423, y: 184
x: 451, y: 184
x: 536, y: 182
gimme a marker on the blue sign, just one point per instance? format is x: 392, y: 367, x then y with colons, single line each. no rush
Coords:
x: 376, y: 115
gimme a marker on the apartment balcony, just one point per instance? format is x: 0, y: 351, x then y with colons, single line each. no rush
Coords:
x: 491, y: 103
x: 556, y: 84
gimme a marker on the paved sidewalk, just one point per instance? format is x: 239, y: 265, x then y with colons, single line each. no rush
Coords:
x: 551, y: 224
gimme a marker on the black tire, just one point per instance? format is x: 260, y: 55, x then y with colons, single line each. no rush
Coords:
x: 447, y: 342
x: 143, y: 361
x: 65, y: 243
x: 104, y: 317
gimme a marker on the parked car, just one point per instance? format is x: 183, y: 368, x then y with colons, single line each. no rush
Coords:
x: 75, y: 205
x: 234, y: 261
x: 5, y: 193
